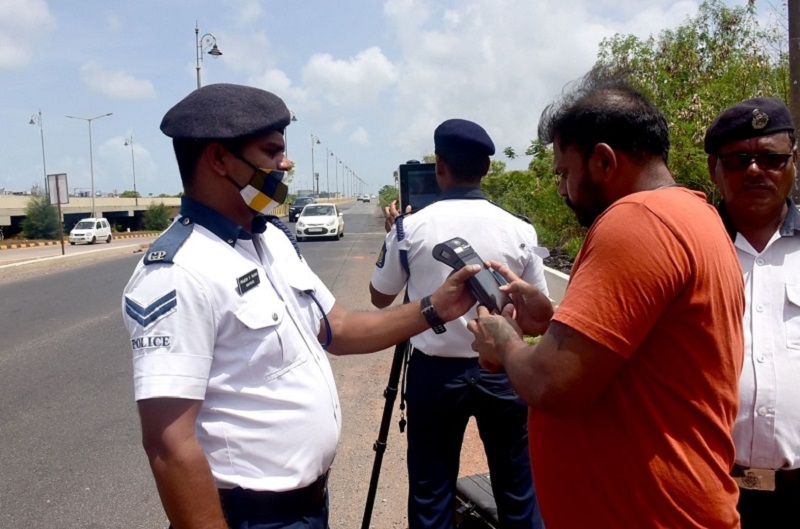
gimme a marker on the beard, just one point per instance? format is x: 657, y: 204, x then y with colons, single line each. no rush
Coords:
x: 592, y: 202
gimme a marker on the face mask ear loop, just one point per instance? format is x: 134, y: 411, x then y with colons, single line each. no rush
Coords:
x: 328, y: 333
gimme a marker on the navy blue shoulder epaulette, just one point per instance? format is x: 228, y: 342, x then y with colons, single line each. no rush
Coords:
x: 164, y: 249
x: 520, y: 217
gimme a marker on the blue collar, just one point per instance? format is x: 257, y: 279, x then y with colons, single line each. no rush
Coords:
x: 219, y: 224
x: 791, y: 223
x: 462, y: 193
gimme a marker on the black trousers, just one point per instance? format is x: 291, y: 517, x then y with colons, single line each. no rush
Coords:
x: 778, y: 509
x: 442, y: 394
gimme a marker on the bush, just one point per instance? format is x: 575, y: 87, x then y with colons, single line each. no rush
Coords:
x: 386, y: 195
x: 156, y: 217
x: 41, y: 219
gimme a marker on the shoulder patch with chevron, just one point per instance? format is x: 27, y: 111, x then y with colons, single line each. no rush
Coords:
x: 146, y: 315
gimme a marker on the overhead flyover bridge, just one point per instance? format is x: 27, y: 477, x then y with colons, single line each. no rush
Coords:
x: 122, y: 213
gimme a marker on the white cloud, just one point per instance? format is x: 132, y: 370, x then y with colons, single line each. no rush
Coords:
x: 499, y: 62
x: 116, y: 84
x: 23, y: 23
x: 360, y: 136
x: 244, y: 12
x: 357, y: 81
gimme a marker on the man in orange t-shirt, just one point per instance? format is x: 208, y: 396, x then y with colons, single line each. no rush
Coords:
x: 633, y: 386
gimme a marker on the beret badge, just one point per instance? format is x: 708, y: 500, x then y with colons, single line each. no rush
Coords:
x: 760, y: 119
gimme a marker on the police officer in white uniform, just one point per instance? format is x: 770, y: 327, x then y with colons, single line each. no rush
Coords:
x: 239, y: 412
x: 446, y: 386
x: 752, y: 156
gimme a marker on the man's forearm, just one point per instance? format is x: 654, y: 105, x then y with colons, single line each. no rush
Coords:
x: 187, y: 488
x: 367, y: 332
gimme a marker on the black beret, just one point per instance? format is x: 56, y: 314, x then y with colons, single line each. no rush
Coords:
x: 225, y: 112
x: 462, y: 135
x: 749, y: 119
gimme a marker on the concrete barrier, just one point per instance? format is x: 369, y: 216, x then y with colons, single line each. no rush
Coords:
x: 556, y: 284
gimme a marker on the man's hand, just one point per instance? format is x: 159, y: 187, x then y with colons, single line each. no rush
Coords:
x: 390, y: 213
x: 533, y: 309
x: 453, y: 299
x: 494, y: 337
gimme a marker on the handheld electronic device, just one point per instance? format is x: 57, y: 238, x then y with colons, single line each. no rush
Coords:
x: 458, y: 253
x: 418, y: 186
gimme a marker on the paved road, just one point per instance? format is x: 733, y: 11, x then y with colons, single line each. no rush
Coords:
x: 71, y: 455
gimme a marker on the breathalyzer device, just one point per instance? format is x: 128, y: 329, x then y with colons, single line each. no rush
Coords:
x: 458, y: 253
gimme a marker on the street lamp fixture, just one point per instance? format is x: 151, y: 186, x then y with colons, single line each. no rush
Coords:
x: 129, y: 141
x: 36, y: 119
x: 91, y: 160
x: 202, y: 44
x: 314, y: 176
x: 286, y: 134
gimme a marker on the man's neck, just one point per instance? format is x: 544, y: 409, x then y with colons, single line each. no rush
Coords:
x: 758, y: 227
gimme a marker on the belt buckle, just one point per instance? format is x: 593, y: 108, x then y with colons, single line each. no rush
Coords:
x: 757, y: 479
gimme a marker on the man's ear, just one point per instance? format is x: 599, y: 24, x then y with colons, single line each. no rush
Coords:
x: 712, y: 165
x: 603, y: 161
x: 217, y: 158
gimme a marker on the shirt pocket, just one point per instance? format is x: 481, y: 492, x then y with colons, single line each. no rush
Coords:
x: 265, y: 324
x: 792, y: 316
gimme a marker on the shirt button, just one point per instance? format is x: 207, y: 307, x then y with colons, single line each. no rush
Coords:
x: 274, y: 316
x: 759, y: 261
x: 760, y: 308
x: 472, y: 380
x: 230, y: 241
x: 762, y: 411
x: 761, y: 359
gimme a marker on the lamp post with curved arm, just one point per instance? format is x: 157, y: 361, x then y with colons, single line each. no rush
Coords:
x: 202, y: 44
x: 91, y: 159
x: 36, y: 119
x: 314, y: 176
x: 129, y: 141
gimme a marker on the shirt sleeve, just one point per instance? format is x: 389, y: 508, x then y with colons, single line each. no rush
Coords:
x: 172, y: 325
x: 533, y: 273
x: 630, y: 268
x: 389, y: 277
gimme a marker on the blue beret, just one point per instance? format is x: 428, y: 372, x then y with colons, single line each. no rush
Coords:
x: 225, y: 112
x: 456, y: 135
x: 761, y: 116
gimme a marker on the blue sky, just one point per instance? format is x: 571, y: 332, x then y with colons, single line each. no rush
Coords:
x: 371, y: 79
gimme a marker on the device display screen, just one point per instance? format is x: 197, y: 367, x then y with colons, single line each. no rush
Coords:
x: 418, y: 185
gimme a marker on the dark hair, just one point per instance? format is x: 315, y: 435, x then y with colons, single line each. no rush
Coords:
x: 601, y: 109
x: 466, y: 166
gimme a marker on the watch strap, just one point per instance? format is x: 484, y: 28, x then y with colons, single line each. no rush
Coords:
x: 433, y: 319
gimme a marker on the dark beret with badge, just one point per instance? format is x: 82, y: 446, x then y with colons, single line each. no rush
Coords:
x: 225, y: 112
x: 761, y: 116
x: 459, y: 135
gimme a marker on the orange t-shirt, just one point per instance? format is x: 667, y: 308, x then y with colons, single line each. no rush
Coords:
x: 657, y: 281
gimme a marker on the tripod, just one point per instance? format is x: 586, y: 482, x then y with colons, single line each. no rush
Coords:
x: 390, y: 393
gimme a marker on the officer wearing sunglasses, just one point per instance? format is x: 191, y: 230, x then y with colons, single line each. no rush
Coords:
x: 752, y: 159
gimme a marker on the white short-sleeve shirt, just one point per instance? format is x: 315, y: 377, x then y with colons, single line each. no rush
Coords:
x: 231, y: 323
x: 767, y: 430
x: 493, y: 233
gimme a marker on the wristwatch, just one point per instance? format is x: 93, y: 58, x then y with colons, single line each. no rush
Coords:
x: 431, y: 317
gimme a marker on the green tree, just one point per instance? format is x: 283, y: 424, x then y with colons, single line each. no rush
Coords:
x: 41, y: 219
x: 156, y: 217
x: 387, y: 194
x: 130, y: 194
x: 429, y: 158
x: 715, y: 59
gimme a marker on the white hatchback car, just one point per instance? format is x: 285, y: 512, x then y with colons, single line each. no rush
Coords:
x: 90, y: 231
x: 320, y: 220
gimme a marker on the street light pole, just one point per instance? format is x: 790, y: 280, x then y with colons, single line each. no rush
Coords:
x: 36, y: 119
x: 314, y: 177
x: 129, y: 141
x: 328, y: 154
x: 202, y: 43
x: 91, y: 160
x: 286, y: 134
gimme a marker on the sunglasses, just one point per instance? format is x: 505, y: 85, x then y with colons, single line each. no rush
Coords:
x: 769, y: 161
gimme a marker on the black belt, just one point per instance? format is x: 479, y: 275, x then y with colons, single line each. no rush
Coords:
x: 239, y: 502
x: 783, y: 478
